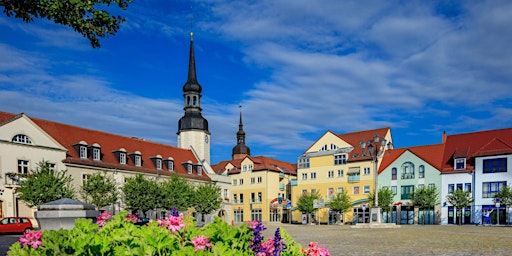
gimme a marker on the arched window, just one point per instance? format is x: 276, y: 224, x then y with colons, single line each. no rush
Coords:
x: 421, y: 171
x: 195, y: 100
x: 21, y: 138
x: 407, y: 170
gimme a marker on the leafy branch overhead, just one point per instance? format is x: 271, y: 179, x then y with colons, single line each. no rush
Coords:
x: 84, y: 16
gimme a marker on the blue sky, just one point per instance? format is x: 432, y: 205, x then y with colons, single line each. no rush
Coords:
x: 299, y: 68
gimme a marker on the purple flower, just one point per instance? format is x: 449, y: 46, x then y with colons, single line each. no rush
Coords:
x: 174, y: 212
x: 255, y: 245
x: 278, y: 243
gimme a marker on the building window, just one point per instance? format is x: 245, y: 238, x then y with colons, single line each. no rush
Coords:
x: 260, y: 179
x: 407, y: 191
x: 489, y: 189
x: 366, y: 171
x: 256, y: 214
x: 226, y: 193
x: 241, y: 198
x: 421, y: 172
x: 235, y: 198
x: 85, y: 177
x: 495, y: 165
x: 83, y: 152
x: 340, y: 173
x: 138, y: 161
x: 451, y: 188
x: 96, y: 154
x: 460, y: 163
x: 253, y: 199
x: 241, y: 182
x: 330, y: 174
x: 330, y: 193
x: 244, y: 168
x: 170, y: 165
x: 407, y: 170
x: 304, y: 192
x: 431, y: 185
x: 234, y: 182
x: 21, y: 138
x: 303, y: 162
x: 22, y: 166
x: 122, y: 158
x: 313, y: 175
x: 253, y: 180
x: 356, y: 190
x: 393, y: 189
x: 260, y: 197
x: 189, y: 169
x: 420, y: 186
x: 340, y: 190
x: 51, y: 167
x: 304, y: 176
x: 239, y: 216
x: 249, y: 167
x: 366, y: 189
x: 340, y: 159
x: 199, y: 170
x: 467, y: 187
x: 158, y: 163
x: 393, y: 173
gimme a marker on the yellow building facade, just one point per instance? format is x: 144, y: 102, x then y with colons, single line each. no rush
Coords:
x: 260, y: 188
x: 341, y: 162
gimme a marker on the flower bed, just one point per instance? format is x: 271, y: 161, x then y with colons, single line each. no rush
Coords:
x: 175, y: 235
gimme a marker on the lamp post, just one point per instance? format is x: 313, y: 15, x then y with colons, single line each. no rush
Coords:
x: 375, y: 148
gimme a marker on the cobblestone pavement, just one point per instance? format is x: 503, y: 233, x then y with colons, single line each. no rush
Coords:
x: 405, y: 240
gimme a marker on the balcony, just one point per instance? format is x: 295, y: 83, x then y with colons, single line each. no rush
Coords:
x: 281, y: 187
x: 407, y: 176
x: 13, y: 180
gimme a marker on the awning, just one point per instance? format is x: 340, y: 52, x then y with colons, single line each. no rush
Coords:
x: 353, y: 170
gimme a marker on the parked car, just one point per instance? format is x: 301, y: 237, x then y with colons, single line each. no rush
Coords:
x: 15, y: 225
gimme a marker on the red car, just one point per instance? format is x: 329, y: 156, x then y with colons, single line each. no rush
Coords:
x: 15, y: 225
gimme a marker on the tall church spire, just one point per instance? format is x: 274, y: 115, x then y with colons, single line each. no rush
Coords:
x: 193, y: 127
x: 240, y: 150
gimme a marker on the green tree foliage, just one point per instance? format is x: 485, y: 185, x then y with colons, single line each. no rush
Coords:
x: 340, y: 203
x: 305, y: 202
x: 89, y: 18
x: 386, y: 196
x: 177, y: 192
x: 45, y: 185
x: 505, y: 197
x: 207, y: 198
x: 460, y: 200
x: 100, y: 190
x: 141, y: 194
x: 425, y: 198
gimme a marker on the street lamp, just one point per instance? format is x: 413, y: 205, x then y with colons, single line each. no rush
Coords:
x: 375, y: 148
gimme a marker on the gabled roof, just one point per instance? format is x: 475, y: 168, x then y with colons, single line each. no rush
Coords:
x: 470, y: 145
x: 355, y: 138
x: 8, y: 117
x: 432, y: 154
x: 68, y: 136
x: 260, y: 163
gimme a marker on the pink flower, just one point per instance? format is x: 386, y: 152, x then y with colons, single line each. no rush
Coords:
x: 31, y: 239
x: 315, y: 250
x: 102, y: 218
x: 173, y: 223
x: 201, y: 243
x: 252, y: 223
x: 132, y: 217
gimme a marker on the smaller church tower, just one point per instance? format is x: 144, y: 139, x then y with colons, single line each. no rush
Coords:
x: 240, y: 150
x: 193, y: 127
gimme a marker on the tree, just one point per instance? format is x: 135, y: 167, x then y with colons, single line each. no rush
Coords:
x: 386, y: 196
x: 425, y: 198
x: 505, y: 197
x: 177, y: 192
x: 460, y: 200
x: 140, y: 194
x: 305, y: 203
x: 207, y: 198
x: 85, y: 17
x: 45, y: 185
x: 100, y: 190
x: 340, y: 203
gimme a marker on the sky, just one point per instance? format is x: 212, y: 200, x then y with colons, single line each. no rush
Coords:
x: 299, y: 68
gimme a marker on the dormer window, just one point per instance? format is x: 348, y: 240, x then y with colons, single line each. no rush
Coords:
x: 169, y: 162
x: 21, y: 138
x: 157, y: 161
x: 199, y: 170
x: 96, y: 152
x: 136, y: 157
x: 83, y: 152
x: 188, y: 166
x: 138, y: 160
x: 120, y: 155
x: 460, y: 163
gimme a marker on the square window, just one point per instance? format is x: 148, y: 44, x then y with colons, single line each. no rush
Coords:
x: 356, y: 190
x: 366, y: 189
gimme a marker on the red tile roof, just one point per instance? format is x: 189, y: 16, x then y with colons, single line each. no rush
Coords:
x: 355, y: 138
x: 470, y: 145
x: 432, y: 154
x: 68, y: 135
x: 261, y: 163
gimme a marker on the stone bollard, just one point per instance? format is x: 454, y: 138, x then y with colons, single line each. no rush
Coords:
x: 62, y: 213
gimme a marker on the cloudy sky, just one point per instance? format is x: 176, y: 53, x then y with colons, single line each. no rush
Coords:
x: 298, y: 68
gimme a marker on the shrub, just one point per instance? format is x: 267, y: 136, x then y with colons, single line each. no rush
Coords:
x: 174, y: 235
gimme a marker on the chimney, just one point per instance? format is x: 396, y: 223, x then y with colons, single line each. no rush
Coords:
x: 444, y: 137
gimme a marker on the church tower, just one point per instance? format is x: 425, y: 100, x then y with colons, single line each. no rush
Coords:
x: 240, y: 150
x: 193, y: 127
